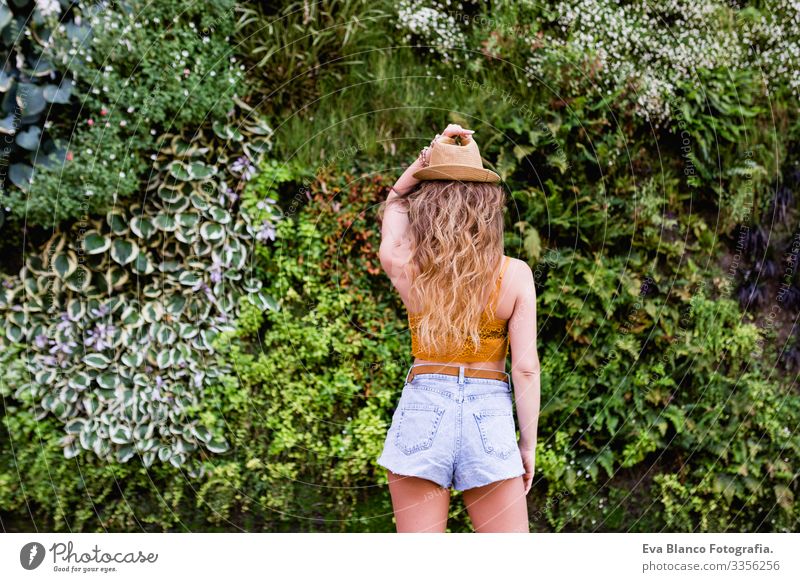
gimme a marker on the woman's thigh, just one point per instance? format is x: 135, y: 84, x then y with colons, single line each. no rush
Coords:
x: 420, y: 505
x: 498, y: 507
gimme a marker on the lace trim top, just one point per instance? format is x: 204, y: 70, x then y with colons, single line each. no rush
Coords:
x: 493, y: 333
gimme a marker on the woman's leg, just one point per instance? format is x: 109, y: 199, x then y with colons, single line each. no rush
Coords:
x: 498, y: 507
x: 420, y: 505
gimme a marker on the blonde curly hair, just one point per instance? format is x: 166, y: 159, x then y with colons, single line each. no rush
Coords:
x: 456, y: 231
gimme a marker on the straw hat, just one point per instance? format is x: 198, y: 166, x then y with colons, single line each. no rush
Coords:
x: 450, y: 161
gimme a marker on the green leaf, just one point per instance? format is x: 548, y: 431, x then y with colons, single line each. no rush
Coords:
x: 177, y: 460
x: 164, y: 359
x: 88, y: 440
x: 200, y: 170
x: 212, y: 232
x: 217, y: 446
x: 165, y: 222
x: 29, y: 139
x: 116, y: 277
x: 188, y: 219
x: 116, y: 220
x: 166, y: 335
x: 226, y: 132
x: 124, y: 251
x: 21, y: 176
x: 142, y: 265
x: 153, y: 311
x: 533, y: 244
x: 189, y: 278
x: 95, y: 243
x: 80, y: 381
x: 58, y: 93
x: 108, y: 380
x: 30, y: 99
x: 263, y: 301
x: 125, y: 453
x: 606, y: 460
x: 64, y: 264
x: 132, y: 359
x: 180, y: 171
x: 176, y: 304
x: 220, y: 215
x: 14, y: 333
x: 142, y: 227
x: 75, y: 426
x: 120, y: 435
x: 202, y: 433
x: 96, y: 360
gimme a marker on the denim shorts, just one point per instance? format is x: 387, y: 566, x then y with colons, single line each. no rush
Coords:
x: 454, y: 430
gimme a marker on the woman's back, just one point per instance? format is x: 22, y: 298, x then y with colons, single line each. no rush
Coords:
x: 500, y: 291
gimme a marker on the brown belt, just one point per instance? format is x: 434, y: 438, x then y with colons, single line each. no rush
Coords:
x: 453, y: 371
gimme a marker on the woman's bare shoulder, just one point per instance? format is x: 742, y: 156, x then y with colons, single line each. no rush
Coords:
x: 521, y: 278
x: 520, y: 270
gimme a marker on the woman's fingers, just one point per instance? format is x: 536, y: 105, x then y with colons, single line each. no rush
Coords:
x: 455, y: 129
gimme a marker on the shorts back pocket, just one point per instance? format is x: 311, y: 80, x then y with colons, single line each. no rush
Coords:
x: 498, y: 433
x: 417, y: 426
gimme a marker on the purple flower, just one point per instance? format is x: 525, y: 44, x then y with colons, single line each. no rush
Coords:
x: 227, y: 192
x: 60, y: 347
x: 243, y: 166
x: 40, y: 341
x: 65, y: 322
x: 216, y: 270
x: 262, y: 204
x: 101, y: 336
x: 101, y: 311
x: 267, y: 231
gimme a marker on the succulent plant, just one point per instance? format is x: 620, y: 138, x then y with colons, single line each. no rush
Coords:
x: 119, y: 314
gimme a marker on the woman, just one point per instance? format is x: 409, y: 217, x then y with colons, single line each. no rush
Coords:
x: 442, y: 248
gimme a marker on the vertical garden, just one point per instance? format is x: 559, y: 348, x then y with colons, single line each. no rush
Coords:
x: 195, y: 331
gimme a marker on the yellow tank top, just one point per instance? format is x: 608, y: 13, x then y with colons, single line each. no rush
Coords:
x: 493, y: 333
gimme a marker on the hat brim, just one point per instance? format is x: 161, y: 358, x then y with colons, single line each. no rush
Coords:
x: 456, y: 172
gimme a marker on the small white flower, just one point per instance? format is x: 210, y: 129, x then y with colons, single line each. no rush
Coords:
x: 48, y: 7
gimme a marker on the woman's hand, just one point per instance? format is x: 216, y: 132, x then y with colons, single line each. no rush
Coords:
x: 529, y: 463
x: 454, y: 130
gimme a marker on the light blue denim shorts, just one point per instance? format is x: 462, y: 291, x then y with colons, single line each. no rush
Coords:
x: 454, y: 430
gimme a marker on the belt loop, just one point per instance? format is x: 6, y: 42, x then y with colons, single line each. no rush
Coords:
x: 461, y: 374
x: 407, y: 373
